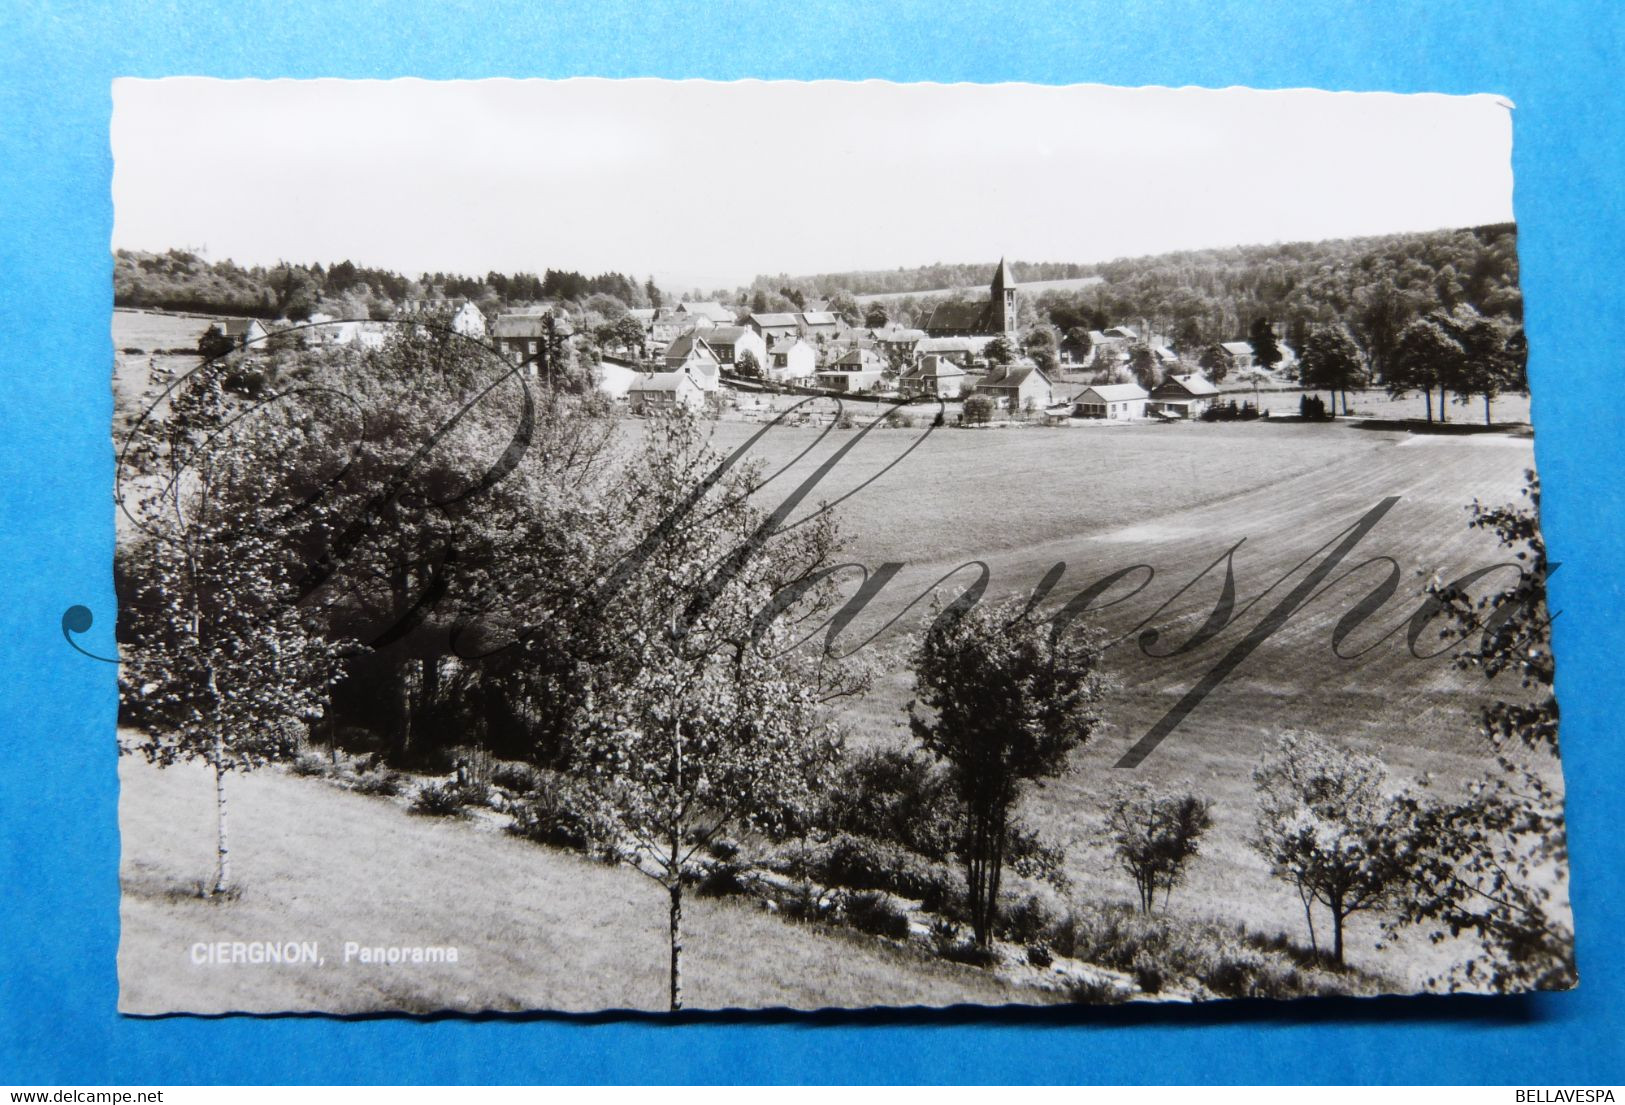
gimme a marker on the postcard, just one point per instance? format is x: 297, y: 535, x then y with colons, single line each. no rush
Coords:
x: 600, y: 545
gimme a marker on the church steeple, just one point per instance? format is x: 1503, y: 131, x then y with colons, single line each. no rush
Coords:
x: 1002, y: 299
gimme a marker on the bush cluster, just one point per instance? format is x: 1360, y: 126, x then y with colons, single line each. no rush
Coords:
x: 864, y: 863
x: 1312, y: 406
x: 876, y: 914
x: 1230, y: 412
x: 450, y: 799
x: 562, y: 812
x: 381, y: 782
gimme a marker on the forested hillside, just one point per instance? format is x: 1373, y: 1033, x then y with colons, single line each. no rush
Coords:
x: 182, y: 281
x: 1373, y: 286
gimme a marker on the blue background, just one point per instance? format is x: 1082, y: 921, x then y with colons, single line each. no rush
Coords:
x: 58, y: 882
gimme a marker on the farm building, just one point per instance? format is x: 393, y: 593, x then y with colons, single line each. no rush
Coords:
x: 729, y: 342
x: 1117, y: 402
x: 1242, y: 351
x: 653, y: 392
x: 857, y: 369
x: 774, y: 325
x: 791, y: 358
x: 935, y: 376
x: 819, y: 324
x: 1018, y: 387
x: 692, y: 354
x: 1182, y: 396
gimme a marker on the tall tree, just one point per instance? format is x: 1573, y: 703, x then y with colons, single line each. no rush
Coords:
x: 1266, y: 351
x: 1142, y: 364
x: 1492, y: 356
x: 1216, y: 362
x: 1424, y: 356
x: 1002, y: 699
x: 1330, y: 360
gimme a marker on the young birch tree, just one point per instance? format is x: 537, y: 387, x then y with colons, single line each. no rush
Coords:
x: 221, y: 663
x: 700, y: 719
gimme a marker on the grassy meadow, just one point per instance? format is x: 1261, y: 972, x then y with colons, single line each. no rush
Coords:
x: 535, y: 928
x: 1100, y: 499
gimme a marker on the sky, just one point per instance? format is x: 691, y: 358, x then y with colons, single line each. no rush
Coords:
x: 707, y: 184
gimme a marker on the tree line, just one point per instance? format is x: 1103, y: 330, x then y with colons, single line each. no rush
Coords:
x: 180, y: 280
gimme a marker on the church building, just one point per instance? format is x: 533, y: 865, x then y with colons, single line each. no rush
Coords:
x: 984, y: 319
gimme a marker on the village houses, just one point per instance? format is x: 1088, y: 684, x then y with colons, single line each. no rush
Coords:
x: 935, y: 376
x: 791, y: 358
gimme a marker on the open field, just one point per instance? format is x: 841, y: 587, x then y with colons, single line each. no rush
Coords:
x: 535, y: 928
x: 1098, y: 498
x: 1175, y: 498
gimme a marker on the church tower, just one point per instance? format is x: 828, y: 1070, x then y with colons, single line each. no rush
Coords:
x: 1002, y: 300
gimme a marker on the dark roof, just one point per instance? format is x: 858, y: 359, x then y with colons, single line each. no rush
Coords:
x: 1112, y: 393
x: 1194, y: 384
x: 1011, y: 376
x: 958, y: 316
x: 660, y: 381
x: 774, y: 318
x: 817, y: 318
x: 1003, y: 278
x: 724, y: 335
x: 684, y: 344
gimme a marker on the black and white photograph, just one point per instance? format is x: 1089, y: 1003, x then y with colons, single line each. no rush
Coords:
x: 638, y: 545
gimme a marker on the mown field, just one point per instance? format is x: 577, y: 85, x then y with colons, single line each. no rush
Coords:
x: 535, y: 928
x: 1176, y: 498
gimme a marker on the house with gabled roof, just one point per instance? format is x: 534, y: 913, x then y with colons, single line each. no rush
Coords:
x: 858, y: 369
x: 1018, y: 387
x: 791, y: 358
x: 773, y: 325
x: 1115, y: 402
x: 656, y: 392
x: 935, y: 376
x: 469, y: 321
x: 1184, y: 396
x: 819, y: 323
x: 692, y: 354
x: 729, y: 343
x: 714, y: 313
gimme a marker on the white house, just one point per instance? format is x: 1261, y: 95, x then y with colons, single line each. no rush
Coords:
x: 1018, y: 387
x: 1182, y: 396
x: 468, y: 321
x: 858, y: 369
x: 712, y: 312
x: 653, y: 392
x: 730, y: 343
x: 1117, y: 402
x: 936, y: 376
x: 791, y: 358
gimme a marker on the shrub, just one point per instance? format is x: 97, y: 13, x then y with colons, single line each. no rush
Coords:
x: 896, y: 796
x: 721, y: 880
x: 310, y: 764
x: 561, y: 812
x: 1027, y: 921
x: 864, y: 863
x: 969, y: 953
x: 381, y: 782
x: 876, y: 914
x: 1039, y: 954
x: 1094, y: 991
x: 514, y: 778
x: 439, y: 800
x: 1148, y: 976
